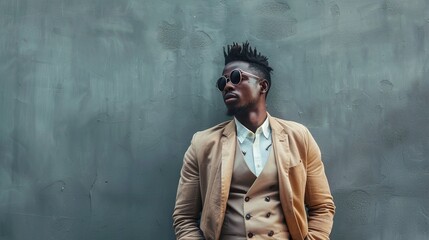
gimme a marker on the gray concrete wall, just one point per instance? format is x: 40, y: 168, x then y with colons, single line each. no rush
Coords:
x: 99, y: 100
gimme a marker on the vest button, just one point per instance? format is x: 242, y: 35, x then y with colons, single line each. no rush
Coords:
x: 248, y: 216
x: 270, y: 233
x: 247, y: 199
x: 267, y: 199
x: 268, y: 215
x: 250, y: 235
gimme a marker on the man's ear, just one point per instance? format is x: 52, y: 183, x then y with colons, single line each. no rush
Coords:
x: 264, y: 86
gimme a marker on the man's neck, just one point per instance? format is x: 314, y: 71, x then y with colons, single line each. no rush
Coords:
x: 252, y: 119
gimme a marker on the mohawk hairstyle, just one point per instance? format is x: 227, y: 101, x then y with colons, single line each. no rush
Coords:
x: 245, y: 53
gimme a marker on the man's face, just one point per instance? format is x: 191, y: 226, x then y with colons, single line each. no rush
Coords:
x: 245, y: 95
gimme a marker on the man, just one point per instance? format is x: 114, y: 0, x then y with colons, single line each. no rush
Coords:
x: 256, y: 176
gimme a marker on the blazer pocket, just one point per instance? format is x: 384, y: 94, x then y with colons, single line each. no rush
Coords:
x: 297, y: 168
x: 298, y: 178
x: 295, y: 162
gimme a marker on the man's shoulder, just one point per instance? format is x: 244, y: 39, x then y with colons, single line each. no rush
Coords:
x: 290, y: 126
x: 296, y: 131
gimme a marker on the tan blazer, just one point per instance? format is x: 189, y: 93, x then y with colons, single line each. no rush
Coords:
x: 206, y: 176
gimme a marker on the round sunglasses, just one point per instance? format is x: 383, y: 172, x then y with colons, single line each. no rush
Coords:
x: 236, y: 76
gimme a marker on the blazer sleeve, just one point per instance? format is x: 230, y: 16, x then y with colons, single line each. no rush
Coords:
x: 188, y: 205
x: 318, y: 198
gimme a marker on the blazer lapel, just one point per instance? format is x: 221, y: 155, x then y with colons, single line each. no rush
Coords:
x: 283, y: 161
x: 280, y: 144
x: 227, y: 165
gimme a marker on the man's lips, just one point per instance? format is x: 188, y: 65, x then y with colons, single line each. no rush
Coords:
x: 229, y: 97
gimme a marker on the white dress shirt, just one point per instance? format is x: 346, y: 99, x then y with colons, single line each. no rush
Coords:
x: 255, y: 146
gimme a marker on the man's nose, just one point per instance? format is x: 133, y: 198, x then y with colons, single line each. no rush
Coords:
x: 229, y: 86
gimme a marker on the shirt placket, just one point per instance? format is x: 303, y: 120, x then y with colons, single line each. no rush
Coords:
x: 257, y: 154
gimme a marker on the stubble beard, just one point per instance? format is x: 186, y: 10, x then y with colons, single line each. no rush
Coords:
x: 232, y: 111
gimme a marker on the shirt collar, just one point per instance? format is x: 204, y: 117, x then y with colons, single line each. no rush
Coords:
x: 243, y: 132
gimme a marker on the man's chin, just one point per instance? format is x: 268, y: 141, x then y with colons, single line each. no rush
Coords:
x: 232, y: 111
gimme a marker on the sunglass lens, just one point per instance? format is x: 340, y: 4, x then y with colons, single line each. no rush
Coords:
x: 221, y: 83
x: 235, y: 76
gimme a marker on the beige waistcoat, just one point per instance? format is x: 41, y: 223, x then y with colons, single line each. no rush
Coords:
x: 253, y: 209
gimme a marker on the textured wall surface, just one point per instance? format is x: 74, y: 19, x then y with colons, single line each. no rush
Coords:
x: 99, y: 100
